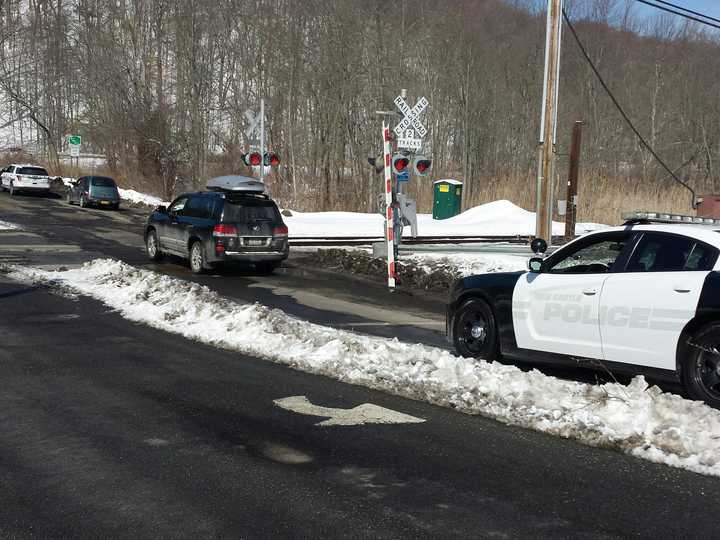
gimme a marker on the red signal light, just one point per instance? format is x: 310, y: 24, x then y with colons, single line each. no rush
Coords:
x: 254, y: 159
x: 271, y: 159
x: 401, y: 164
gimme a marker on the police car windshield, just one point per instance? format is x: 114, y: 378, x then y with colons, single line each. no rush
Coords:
x: 241, y: 211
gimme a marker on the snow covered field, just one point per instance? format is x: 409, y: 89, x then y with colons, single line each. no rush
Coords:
x: 636, y: 419
x: 498, y: 218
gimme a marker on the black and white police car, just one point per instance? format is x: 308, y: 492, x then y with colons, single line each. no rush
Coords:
x: 640, y: 298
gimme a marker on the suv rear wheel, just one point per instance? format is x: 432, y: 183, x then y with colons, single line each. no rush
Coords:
x: 701, y: 365
x: 197, y: 258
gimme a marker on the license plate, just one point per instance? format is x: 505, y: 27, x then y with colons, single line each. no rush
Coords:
x: 253, y: 242
x: 104, y: 202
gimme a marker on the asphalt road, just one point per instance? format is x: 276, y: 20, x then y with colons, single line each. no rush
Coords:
x: 113, y: 429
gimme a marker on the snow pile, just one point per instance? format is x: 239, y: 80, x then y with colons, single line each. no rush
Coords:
x: 499, y: 218
x: 636, y: 419
x: 141, y: 198
x: 6, y: 226
x: 467, y: 264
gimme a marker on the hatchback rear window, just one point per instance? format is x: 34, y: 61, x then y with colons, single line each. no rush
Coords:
x: 33, y: 171
x: 241, y: 211
x: 102, y: 181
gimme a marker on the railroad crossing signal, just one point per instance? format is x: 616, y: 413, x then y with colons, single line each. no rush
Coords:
x: 271, y: 159
x: 410, y: 130
x: 400, y: 163
x: 253, y: 130
x: 422, y: 165
x: 252, y: 159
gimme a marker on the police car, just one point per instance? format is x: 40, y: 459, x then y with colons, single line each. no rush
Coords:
x: 640, y: 298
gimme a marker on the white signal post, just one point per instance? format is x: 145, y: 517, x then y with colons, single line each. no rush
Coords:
x: 262, y: 139
x: 389, y: 211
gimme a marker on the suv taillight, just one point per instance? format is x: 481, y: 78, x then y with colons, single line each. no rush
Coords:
x: 282, y: 230
x: 225, y: 230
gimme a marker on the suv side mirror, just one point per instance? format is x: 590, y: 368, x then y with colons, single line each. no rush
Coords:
x: 161, y: 209
x: 535, y: 264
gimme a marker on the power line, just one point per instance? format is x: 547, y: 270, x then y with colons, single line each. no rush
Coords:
x: 622, y: 111
x: 708, y: 17
x: 681, y: 14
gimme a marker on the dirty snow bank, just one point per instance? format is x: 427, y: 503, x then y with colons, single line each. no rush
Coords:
x: 7, y: 226
x: 635, y: 419
x: 136, y: 197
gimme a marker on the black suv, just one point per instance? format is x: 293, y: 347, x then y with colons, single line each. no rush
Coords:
x: 211, y: 227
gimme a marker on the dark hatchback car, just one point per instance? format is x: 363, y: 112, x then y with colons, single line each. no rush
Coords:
x: 212, y: 227
x: 94, y: 190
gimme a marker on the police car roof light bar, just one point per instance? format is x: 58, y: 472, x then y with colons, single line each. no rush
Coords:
x: 666, y: 217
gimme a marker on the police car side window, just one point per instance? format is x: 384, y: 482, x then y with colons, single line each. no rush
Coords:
x: 671, y: 253
x: 595, y: 258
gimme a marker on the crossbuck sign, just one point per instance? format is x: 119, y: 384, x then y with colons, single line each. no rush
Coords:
x: 253, y: 130
x: 410, y: 130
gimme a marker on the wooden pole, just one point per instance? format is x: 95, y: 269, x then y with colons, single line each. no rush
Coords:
x: 543, y: 225
x: 573, y: 170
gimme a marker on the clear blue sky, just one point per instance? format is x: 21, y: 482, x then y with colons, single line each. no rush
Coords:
x: 708, y: 7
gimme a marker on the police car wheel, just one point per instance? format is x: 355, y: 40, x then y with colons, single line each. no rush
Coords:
x: 701, y: 366
x: 475, y: 331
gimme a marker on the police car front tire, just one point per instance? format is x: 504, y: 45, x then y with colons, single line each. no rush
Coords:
x: 475, y: 331
x: 701, y: 366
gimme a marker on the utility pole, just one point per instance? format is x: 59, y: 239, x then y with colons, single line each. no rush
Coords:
x: 548, y: 122
x: 573, y: 170
x: 262, y: 139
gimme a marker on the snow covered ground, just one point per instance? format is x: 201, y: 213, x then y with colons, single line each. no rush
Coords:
x: 141, y: 198
x: 6, y: 226
x: 498, y: 218
x: 468, y: 264
x: 636, y: 419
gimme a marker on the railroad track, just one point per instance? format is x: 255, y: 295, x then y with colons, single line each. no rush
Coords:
x: 368, y: 240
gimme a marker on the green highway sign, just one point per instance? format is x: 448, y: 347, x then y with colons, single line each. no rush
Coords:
x: 75, y: 140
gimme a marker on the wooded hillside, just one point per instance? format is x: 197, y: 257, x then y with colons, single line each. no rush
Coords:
x: 160, y: 87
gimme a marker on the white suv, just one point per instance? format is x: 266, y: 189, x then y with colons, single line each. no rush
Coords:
x: 24, y: 177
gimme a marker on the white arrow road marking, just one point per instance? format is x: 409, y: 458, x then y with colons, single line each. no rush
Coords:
x: 367, y: 413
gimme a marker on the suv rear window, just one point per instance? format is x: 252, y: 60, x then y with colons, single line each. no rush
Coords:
x: 34, y: 171
x: 101, y: 181
x: 244, y: 210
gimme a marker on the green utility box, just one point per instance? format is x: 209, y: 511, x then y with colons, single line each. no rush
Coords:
x: 447, y: 198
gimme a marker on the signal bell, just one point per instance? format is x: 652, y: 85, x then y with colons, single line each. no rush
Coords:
x: 400, y: 162
x: 422, y: 165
